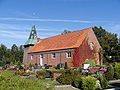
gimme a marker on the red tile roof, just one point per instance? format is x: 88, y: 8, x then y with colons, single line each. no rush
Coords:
x: 65, y: 41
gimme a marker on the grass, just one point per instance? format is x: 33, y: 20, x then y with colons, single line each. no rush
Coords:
x: 9, y: 81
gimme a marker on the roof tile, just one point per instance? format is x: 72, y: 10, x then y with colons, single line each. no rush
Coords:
x: 65, y: 41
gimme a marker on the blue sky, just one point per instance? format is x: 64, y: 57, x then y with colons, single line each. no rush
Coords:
x: 51, y: 17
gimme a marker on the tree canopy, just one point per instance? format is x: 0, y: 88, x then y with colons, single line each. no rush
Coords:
x: 10, y: 56
x: 110, y: 44
x: 66, y: 31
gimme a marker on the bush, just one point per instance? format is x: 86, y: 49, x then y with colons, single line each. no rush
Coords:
x: 67, y: 71
x: 58, y: 71
x: 74, y: 72
x: 117, y: 71
x: 104, y: 82
x: 77, y: 82
x: 89, y: 83
x: 66, y: 79
x: 110, y: 72
x: 100, y: 65
x: 48, y: 74
x: 41, y: 72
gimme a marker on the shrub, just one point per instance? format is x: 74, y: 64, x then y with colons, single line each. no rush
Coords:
x: 67, y: 71
x: 117, y: 71
x: 110, y: 72
x: 41, y: 72
x: 66, y: 79
x: 48, y: 74
x: 74, y: 72
x: 89, y: 83
x: 77, y: 81
x: 100, y: 65
x: 71, y: 71
x: 104, y: 82
x: 58, y: 71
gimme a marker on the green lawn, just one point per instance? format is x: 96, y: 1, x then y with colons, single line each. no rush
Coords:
x: 9, y: 81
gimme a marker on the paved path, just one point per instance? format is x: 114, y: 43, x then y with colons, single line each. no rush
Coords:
x: 65, y: 87
x: 114, y: 81
x: 116, y: 84
x: 69, y: 87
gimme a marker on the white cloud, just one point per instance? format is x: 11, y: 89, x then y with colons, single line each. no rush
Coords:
x: 23, y: 35
x: 13, y: 27
x: 26, y: 28
x: 45, y: 20
x: 13, y: 34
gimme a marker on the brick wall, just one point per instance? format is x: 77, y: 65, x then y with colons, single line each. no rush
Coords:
x: 47, y: 58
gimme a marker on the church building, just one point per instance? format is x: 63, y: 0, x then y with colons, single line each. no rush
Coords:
x: 73, y: 48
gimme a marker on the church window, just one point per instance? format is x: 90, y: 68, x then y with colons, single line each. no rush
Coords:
x: 41, y: 55
x: 68, y: 55
x: 53, y: 55
x: 91, y: 46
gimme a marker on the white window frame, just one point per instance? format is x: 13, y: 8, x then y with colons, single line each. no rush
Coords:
x: 68, y: 55
x: 53, y: 55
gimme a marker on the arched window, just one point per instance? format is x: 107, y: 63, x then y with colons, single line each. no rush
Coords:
x: 41, y: 55
x: 91, y: 45
x: 53, y: 56
x: 68, y: 55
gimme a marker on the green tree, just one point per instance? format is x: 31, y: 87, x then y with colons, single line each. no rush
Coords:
x: 66, y: 31
x: 3, y: 49
x: 14, y: 48
x: 13, y: 55
x: 110, y: 44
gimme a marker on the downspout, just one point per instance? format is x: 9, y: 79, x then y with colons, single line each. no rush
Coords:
x: 36, y: 59
x: 47, y: 58
x: 60, y: 60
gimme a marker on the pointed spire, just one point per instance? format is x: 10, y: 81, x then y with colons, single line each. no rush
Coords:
x: 33, y: 34
x: 32, y: 38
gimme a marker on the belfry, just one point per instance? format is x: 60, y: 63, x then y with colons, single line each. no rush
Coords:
x: 29, y: 43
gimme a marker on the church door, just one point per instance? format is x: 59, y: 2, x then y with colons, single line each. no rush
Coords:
x: 41, y: 59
